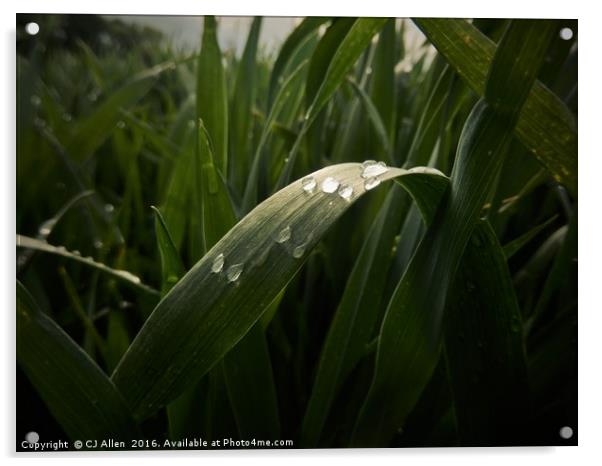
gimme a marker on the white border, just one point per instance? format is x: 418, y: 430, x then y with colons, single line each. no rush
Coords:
x: 590, y: 234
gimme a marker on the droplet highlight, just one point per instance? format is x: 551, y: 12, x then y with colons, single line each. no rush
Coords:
x: 284, y: 235
x: 309, y: 184
x: 371, y: 183
x: 299, y: 251
x: 218, y: 264
x: 345, y: 191
x: 372, y: 169
x: 234, y: 272
x: 330, y: 185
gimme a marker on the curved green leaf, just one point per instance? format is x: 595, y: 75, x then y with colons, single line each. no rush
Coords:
x: 123, y: 275
x: 79, y: 395
x: 411, y: 333
x: 211, y: 93
x: 546, y: 126
x: 213, y: 306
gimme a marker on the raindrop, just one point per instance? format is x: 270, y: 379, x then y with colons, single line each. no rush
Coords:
x: 330, y: 185
x: 218, y: 264
x: 284, y: 235
x: 67, y: 117
x: 566, y: 34
x: 371, y: 170
x: 234, y: 272
x: 98, y: 244
x: 309, y: 184
x: 345, y: 191
x: 109, y: 208
x: 299, y: 251
x: 371, y: 183
x: 121, y: 124
x: 77, y: 253
x: 367, y: 163
x: 35, y: 100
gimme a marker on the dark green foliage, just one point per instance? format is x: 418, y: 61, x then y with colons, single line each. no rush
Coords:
x: 245, y: 306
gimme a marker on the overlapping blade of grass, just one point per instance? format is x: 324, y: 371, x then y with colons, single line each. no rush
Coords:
x: 172, y: 268
x: 247, y: 370
x: 79, y: 395
x: 217, y: 209
x: 93, y: 130
x: 350, y: 46
x: 318, y: 67
x: 212, y: 307
x: 516, y: 245
x: 122, y: 275
x: 355, y: 318
x: 285, y: 94
x: 383, y: 93
x: 376, y: 120
x: 250, y: 384
x: 546, y: 126
x: 411, y: 333
x: 484, y: 347
x: 212, y: 96
x: 241, y: 108
x: 559, y: 275
x: 294, y: 40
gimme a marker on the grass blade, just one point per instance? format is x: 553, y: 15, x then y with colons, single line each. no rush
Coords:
x: 92, y: 131
x: 242, y: 106
x: 516, y: 245
x: 207, y: 312
x: 355, y: 318
x: 79, y: 395
x: 375, y: 119
x: 122, y: 275
x: 211, y: 94
x: 546, y: 126
x: 290, y: 45
x: 484, y: 347
x: 172, y: 268
x: 411, y: 333
x: 350, y: 47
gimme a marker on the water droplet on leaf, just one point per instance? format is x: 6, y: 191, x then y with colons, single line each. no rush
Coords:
x: 234, y: 272
x: 371, y: 183
x: 299, y: 251
x: 309, y: 184
x: 284, y: 235
x: 218, y: 264
x: 330, y: 185
x: 371, y: 170
x: 345, y: 191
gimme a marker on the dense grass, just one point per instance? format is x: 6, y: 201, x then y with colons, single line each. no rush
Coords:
x: 226, y: 297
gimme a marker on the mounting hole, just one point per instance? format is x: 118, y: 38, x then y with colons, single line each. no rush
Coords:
x: 32, y: 28
x: 566, y: 432
x: 32, y: 437
x: 566, y: 33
